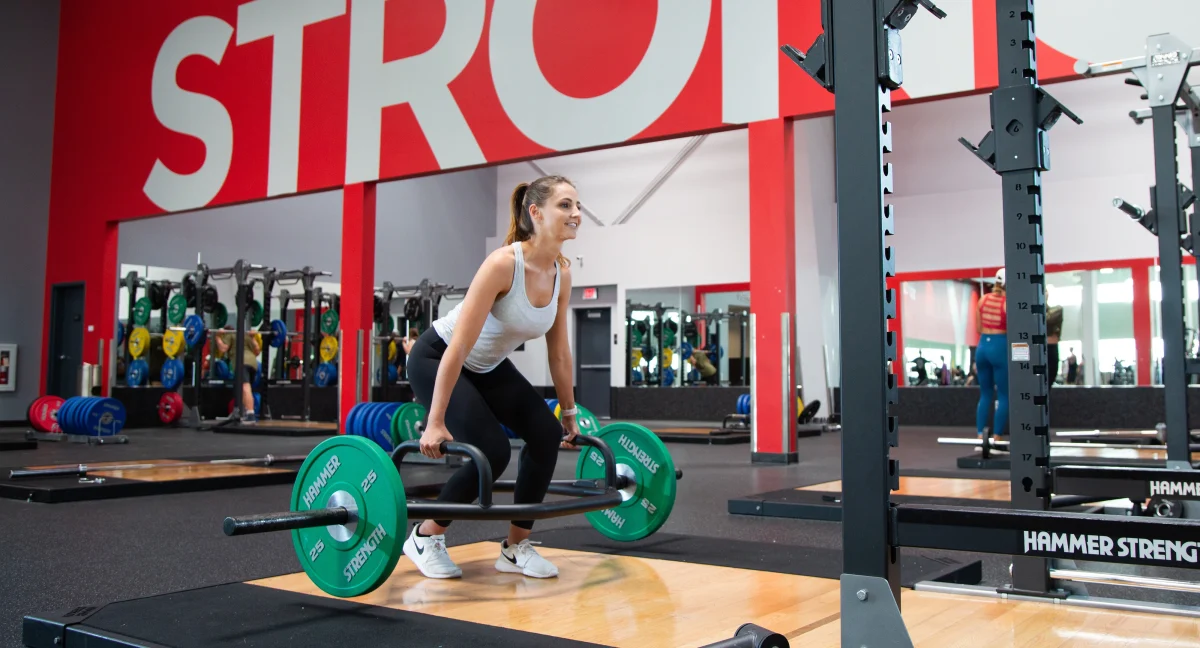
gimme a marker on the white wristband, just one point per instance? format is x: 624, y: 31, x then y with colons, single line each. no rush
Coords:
x: 569, y: 412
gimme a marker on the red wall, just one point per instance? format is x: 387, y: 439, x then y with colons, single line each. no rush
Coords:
x: 186, y: 90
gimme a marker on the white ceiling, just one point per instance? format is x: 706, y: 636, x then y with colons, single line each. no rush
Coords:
x: 928, y: 158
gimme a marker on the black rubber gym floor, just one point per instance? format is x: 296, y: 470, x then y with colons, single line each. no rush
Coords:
x: 61, y: 556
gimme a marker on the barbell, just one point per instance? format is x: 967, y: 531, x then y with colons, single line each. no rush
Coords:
x: 81, y: 470
x: 349, y: 510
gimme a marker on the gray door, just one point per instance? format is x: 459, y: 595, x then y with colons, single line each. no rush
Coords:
x: 66, y: 340
x: 593, y: 359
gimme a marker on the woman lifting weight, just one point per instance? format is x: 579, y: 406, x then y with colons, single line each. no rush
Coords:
x: 459, y: 369
x: 991, y: 358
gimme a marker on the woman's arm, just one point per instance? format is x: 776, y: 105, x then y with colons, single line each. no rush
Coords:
x: 979, y: 315
x: 492, y: 278
x: 558, y: 346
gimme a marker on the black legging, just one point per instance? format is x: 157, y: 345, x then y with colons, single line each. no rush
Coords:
x: 479, y: 404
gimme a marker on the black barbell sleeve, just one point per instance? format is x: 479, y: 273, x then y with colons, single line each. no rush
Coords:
x: 267, y: 522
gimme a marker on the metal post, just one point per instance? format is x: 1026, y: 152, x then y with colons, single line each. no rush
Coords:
x: 103, y: 365
x: 1170, y: 277
x: 358, y: 365
x: 865, y: 261
x: 859, y: 58
x: 753, y: 386
x: 1017, y: 150
x: 788, y: 427
x: 345, y: 366
x: 306, y: 352
x: 239, y: 342
x: 268, y: 285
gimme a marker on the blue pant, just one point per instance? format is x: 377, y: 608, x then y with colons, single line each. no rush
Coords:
x: 991, y: 365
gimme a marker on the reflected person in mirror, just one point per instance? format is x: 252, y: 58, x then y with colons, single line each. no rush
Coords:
x: 991, y: 358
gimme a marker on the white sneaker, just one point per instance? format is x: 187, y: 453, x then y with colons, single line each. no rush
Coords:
x: 429, y: 554
x: 524, y: 559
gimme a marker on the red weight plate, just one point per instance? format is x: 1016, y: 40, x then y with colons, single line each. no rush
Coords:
x: 169, y: 408
x: 43, y: 415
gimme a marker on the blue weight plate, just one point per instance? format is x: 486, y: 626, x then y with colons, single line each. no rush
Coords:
x: 354, y: 425
x: 552, y: 403
x: 362, y: 423
x: 105, y: 417
x: 135, y: 373
x: 368, y: 423
x: 278, y: 333
x: 325, y: 374
x: 193, y: 332
x: 383, y: 425
x: 76, y: 421
x: 171, y: 373
x: 349, y: 427
x: 81, y: 417
x: 371, y: 423
x: 64, y: 415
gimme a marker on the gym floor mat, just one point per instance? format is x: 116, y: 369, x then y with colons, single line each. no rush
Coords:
x: 169, y: 476
x: 282, y: 427
x: 16, y: 441
x: 241, y: 615
x: 711, y: 436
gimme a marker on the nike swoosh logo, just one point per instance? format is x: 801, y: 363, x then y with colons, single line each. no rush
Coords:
x: 512, y: 560
x: 417, y: 544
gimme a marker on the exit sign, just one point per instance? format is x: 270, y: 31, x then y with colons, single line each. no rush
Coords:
x: 589, y: 293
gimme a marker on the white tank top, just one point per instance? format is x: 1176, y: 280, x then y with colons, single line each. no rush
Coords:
x: 513, y: 321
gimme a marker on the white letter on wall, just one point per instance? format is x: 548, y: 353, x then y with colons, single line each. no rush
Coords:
x: 284, y: 21
x: 749, y: 61
x: 191, y: 113
x: 421, y: 81
x: 559, y: 122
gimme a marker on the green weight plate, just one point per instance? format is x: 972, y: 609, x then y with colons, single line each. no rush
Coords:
x: 220, y: 316
x: 330, y: 322
x: 352, y: 560
x: 255, y: 310
x: 404, y: 423
x: 176, y: 310
x: 386, y: 326
x: 141, y: 311
x: 647, y: 504
x: 588, y: 423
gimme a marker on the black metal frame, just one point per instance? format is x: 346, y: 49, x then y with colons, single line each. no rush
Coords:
x: 1164, y: 76
x: 1017, y: 150
x: 863, y: 36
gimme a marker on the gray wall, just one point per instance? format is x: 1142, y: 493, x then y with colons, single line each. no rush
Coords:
x: 434, y: 227
x: 29, y: 49
x: 431, y: 227
x: 286, y: 233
